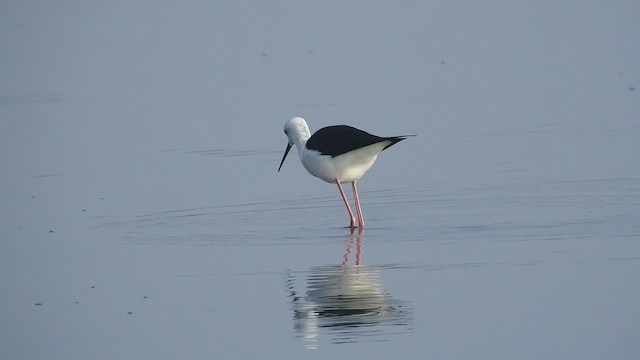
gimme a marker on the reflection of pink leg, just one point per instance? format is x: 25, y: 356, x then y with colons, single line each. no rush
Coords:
x: 347, y: 254
x: 352, y: 219
x: 358, y: 207
x: 352, y: 239
x: 359, y: 247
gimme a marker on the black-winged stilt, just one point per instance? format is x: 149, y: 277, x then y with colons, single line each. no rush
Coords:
x: 337, y: 154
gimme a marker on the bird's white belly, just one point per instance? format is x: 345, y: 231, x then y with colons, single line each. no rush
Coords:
x: 347, y: 167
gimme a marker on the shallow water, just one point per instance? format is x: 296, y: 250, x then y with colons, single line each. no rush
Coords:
x: 515, y: 269
x: 142, y: 215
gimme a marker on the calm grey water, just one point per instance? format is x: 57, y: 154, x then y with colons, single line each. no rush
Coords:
x: 142, y: 216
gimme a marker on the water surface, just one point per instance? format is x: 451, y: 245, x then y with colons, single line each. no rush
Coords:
x: 142, y: 216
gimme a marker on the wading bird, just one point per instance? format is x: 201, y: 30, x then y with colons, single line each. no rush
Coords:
x: 337, y: 154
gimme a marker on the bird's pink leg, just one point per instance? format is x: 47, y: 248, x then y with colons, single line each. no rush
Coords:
x: 352, y: 219
x: 356, y: 198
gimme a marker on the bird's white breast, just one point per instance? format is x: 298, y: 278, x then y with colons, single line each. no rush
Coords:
x: 347, y: 167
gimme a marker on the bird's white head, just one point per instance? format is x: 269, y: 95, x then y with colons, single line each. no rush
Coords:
x: 297, y: 132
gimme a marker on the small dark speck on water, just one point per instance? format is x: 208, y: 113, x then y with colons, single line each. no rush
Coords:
x: 631, y: 88
x: 442, y: 62
x: 145, y: 297
x: 77, y: 302
x: 38, y: 304
x: 129, y: 312
x: 84, y: 209
x: 50, y: 231
x: 93, y: 287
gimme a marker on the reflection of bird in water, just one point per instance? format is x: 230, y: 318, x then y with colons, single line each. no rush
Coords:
x: 347, y: 300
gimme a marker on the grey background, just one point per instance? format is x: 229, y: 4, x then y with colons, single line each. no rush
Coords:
x: 139, y: 144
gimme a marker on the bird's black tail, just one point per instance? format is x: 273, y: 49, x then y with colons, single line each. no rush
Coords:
x: 396, y: 139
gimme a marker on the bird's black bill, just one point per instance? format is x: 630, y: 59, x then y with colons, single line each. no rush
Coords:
x: 285, y: 156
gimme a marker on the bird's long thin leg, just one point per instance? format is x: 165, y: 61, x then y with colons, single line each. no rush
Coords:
x: 356, y: 198
x: 352, y: 219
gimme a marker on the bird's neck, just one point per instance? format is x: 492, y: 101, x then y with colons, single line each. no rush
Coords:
x: 300, y: 145
x: 300, y: 139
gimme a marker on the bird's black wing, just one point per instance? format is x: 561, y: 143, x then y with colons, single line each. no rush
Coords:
x: 339, y: 139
